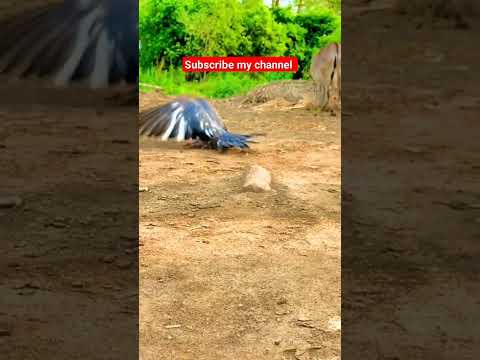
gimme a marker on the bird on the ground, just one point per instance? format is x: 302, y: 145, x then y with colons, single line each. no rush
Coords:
x: 93, y: 41
x: 190, y: 119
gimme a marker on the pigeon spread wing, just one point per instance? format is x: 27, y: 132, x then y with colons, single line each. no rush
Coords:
x: 185, y: 119
x: 92, y: 40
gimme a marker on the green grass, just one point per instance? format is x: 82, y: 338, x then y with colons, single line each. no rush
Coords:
x: 215, y: 86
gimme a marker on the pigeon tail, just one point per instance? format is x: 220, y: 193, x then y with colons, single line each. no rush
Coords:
x: 92, y: 41
x: 191, y: 119
x: 228, y: 140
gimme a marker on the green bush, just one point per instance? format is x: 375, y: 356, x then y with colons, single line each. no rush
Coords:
x: 217, y: 86
x: 172, y: 29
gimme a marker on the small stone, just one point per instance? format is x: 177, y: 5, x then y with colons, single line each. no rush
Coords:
x: 277, y: 342
x: 120, y: 141
x: 22, y: 285
x: 303, y: 318
x: 414, y: 149
x: 176, y: 326
x: 7, y: 202
x: 78, y: 284
x: 27, y: 292
x: 108, y: 259
x: 5, y: 331
x: 281, y: 301
x: 306, y: 324
x: 258, y: 179
x: 58, y: 224
x: 33, y: 285
x: 143, y: 189
x: 123, y: 264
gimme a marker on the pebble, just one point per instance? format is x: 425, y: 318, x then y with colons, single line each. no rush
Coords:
x: 257, y: 179
x: 282, y: 301
x: 176, y: 326
x: 415, y: 149
x: 7, y: 202
x: 120, y: 141
x: 77, y: 284
x: 5, y: 332
x: 23, y: 292
x: 303, y: 318
x: 108, y: 259
x: 123, y: 264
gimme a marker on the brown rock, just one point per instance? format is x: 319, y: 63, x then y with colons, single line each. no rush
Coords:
x: 258, y: 179
x: 123, y: 264
x: 9, y: 201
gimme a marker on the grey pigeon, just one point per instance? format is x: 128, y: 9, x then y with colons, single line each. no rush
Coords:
x: 191, y: 119
x: 95, y: 41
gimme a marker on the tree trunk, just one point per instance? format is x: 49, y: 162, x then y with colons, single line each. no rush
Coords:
x: 325, y: 70
x: 300, y: 5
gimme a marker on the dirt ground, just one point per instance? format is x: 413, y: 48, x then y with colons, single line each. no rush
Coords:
x: 410, y: 178
x: 69, y: 251
x: 228, y: 274
x: 224, y: 274
x: 68, y: 268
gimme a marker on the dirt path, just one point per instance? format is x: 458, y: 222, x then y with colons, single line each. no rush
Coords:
x: 410, y: 226
x: 227, y: 274
x: 69, y: 251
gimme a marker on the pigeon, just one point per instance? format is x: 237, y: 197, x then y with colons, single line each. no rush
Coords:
x: 93, y: 41
x: 191, y: 119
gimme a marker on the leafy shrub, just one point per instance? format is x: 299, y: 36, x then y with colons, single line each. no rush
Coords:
x: 171, y: 29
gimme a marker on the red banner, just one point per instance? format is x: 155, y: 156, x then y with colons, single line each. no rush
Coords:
x: 240, y: 64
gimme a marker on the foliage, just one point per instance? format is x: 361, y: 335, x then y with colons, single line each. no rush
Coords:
x: 335, y: 5
x: 308, y: 32
x: 218, y: 85
x: 171, y: 29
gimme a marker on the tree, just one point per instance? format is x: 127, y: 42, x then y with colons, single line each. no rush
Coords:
x: 308, y: 5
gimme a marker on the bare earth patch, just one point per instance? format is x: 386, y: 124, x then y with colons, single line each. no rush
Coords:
x: 228, y: 274
x: 69, y: 246
x: 411, y: 175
